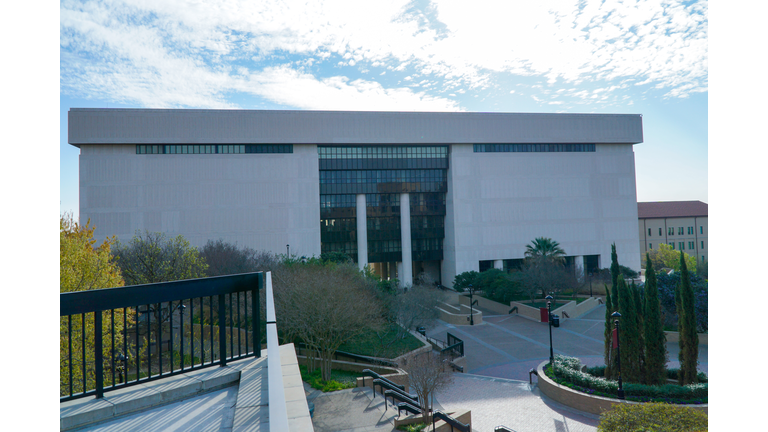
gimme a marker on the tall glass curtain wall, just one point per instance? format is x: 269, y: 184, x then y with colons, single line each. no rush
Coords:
x: 382, y: 173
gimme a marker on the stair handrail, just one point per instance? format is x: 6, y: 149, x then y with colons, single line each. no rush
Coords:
x: 399, y: 396
x: 374, y: 375
x: 407, y: 407
x: 384, y: 384
x: 439, y: 415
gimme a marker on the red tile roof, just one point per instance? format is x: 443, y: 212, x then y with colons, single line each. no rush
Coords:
x: 671, y: 209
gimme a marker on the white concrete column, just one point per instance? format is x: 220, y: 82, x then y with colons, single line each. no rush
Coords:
x: 406, y: 276
x: 400, y: 272
x: 579, y: 262
x: 498, y: 264
x: 362, y: 233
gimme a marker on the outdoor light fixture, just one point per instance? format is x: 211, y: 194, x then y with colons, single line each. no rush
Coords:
x: 121, y: 366
x: 471, y: 312
x: 617, y: 315
x: 287, y: 250
x: 549, y: 318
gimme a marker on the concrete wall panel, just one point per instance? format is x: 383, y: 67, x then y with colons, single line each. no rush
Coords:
x: 263, y: 201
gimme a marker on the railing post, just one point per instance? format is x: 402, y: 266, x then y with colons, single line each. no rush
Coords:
x: 222, y: 333
x: 98, y: 354
x: 256, y: 316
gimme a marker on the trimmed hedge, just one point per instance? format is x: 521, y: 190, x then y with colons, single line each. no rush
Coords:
x: 568, y: 372
x: 657, y: 417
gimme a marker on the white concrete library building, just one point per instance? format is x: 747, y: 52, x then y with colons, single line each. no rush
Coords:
x: 404, y: 193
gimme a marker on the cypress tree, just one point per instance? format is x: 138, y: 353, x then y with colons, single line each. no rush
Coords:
x: 615, y: 277
x: 608, y: 333
x: 655, y: 339
x: 640, y: 332
x: 628, y: 335
x: 690, y: 349
x: 681, y: 340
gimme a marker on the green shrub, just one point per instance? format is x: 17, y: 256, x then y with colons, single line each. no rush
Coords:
x: 417, y: 427
x: 316, y: 382
x: 672, y: 374
x: 656, y: 417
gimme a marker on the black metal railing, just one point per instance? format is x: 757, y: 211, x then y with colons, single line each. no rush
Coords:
x: 455, y: 346
x: 452, y: 422
x: 374, y: 375
x: 303, y: 349
x: 117, y: 337
x: 400, y: 396
x: 386, y: 384
x: 405, y: 406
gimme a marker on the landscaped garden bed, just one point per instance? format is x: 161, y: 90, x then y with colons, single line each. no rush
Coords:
x: 568, y: 372
x: 340, y: 379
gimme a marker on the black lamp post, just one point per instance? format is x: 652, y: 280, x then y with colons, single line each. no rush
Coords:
x: 121, y: 366
x: 471, y: 311
x: 549, y: 318
x: 617, y: 315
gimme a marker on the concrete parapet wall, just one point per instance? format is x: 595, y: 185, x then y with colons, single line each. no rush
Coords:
x: 584, y: 402
x: 526, y: 311
x: 458, y: 315
x: 585, y: 307
x: 495, y: 307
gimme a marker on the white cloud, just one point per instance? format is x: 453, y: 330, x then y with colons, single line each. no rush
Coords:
x: 184, y: 52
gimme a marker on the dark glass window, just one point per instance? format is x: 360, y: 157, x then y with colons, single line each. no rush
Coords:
x: 533, y: 148
x: 213, y: 149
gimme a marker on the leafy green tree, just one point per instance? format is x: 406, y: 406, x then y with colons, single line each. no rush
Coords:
x: 152, y: 257
x: 666, y: 257
x: 336, y: 256
x: 464, y: 280
x: 224, y: 258
x: 544, y: 247
x: 655, y: 339
x: 689, y: 339
x: 497, y: 285
x: 629, y: 337
x: 324, y: 306
x: 84, y: 266
x: 542, y: 276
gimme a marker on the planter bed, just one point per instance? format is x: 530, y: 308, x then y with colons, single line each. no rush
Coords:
x: 596, y: 402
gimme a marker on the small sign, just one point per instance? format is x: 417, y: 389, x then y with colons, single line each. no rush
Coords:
x: 615, y: 339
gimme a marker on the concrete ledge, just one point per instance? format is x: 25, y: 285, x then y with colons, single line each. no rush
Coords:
x: 458, y: 315
x: 584, y: 402
x: 89, y: 410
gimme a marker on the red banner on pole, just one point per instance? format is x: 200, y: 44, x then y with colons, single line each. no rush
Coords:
x: 615, y: 339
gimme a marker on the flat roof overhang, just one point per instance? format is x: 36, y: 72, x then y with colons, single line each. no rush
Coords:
x: 195, y: 126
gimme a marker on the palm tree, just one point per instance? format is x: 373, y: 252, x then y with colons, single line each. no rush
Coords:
x: 543, y: 247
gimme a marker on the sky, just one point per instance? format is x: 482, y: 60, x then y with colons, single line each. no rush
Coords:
x: 650, y: 58
x: 637, y: 57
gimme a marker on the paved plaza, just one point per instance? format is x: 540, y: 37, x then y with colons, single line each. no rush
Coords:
x: 508, y: 346
x: 500, y: 352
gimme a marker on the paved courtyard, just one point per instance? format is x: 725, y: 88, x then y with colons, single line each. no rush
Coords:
x: 508, y: 346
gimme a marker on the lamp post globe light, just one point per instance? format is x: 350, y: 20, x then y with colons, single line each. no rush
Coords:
x: 549, y: 319
x: 617, y: 315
